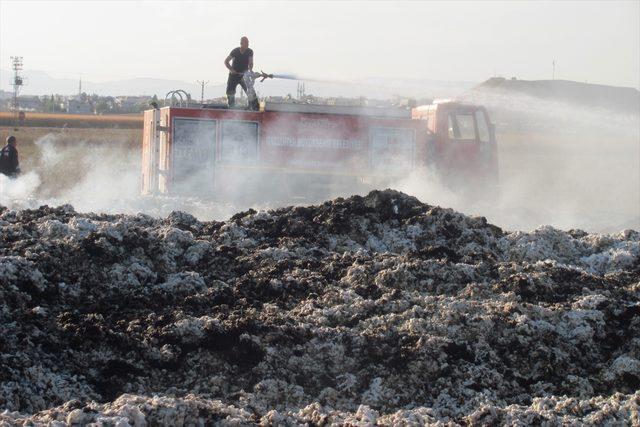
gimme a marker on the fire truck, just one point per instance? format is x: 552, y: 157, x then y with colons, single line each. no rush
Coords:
x: 304, y: 150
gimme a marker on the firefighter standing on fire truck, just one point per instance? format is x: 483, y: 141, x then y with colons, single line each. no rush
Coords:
x: 239, y: 61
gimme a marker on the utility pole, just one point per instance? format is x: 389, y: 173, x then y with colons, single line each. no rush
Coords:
x: 553, y: 75
x: 301, y: 90
x: 16, y: 64
x: 202, y: 83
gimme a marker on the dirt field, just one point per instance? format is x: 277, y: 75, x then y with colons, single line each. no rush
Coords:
x: 375, y: 310
x: 74, y: 120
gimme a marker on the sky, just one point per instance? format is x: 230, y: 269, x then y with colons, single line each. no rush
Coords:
x: 596, y: 42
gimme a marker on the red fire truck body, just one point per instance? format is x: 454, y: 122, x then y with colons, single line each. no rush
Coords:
x: 198, y: 151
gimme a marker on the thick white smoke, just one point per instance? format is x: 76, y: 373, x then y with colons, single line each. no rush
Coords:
x: 97, y: 177
x: 20, y: 188
x: 107, y: 176
x: 559, y: 165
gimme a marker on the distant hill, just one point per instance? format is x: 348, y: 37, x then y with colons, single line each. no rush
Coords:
x: 558, y: 105
x: 583, y: 94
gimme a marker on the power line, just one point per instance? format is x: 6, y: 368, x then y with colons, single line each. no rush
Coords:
x: 16, y: 64
x: 202, y: 83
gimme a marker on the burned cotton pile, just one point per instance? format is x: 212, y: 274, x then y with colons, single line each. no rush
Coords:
x: 361, y: 310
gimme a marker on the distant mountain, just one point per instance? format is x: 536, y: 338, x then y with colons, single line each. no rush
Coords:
x: 41, y: 83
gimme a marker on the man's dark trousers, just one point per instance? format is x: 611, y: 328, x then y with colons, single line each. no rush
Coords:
x: 232, y: 82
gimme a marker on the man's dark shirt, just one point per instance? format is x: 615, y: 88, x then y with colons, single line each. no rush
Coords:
x: 240, y: 60
x: 9, y: 164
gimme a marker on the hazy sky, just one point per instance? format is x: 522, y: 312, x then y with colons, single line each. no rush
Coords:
x: 598, y: 42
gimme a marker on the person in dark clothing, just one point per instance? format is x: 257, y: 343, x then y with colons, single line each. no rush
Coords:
x: 9, y: 164
x: 238, y: 62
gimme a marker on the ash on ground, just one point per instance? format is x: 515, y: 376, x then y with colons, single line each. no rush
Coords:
x: 376, y: 309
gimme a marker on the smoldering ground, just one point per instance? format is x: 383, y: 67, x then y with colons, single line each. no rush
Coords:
x: 376, y: 309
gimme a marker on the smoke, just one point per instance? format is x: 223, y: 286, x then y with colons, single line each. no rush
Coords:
x: 598, y: 115
x: 104, y: 175
x: 19, y: 188
x: 89, y: 176
x: 560, y: 165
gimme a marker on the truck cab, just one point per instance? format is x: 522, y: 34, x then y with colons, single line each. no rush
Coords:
x: 462, y: 143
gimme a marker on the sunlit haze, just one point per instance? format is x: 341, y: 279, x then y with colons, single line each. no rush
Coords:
x: 596, y: 42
